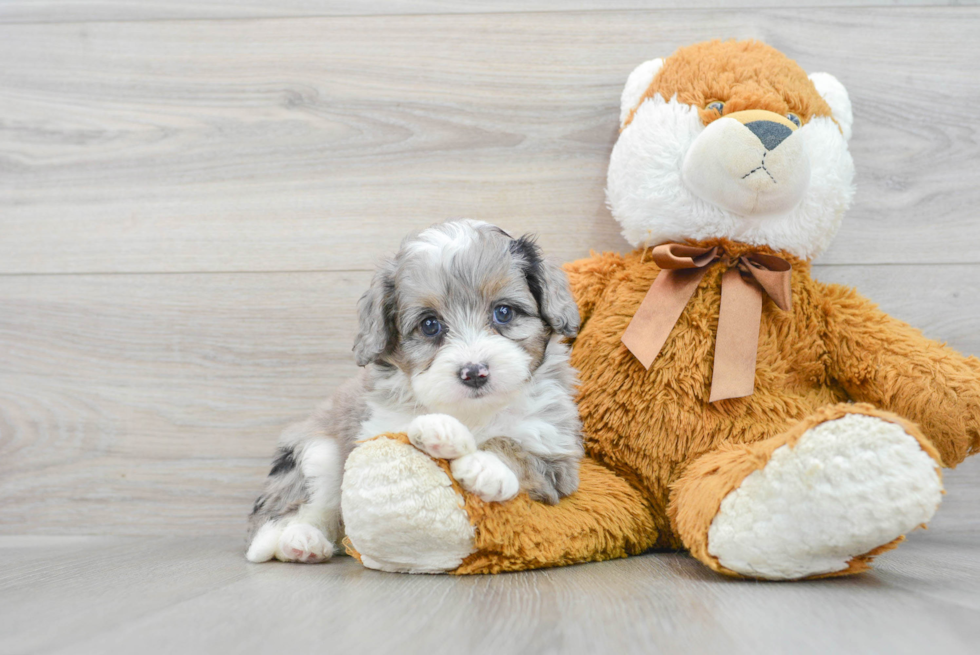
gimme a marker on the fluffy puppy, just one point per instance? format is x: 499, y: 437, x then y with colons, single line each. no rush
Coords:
x: 461, y: 340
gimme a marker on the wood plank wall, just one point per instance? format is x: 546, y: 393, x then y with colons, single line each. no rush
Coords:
x: 192, y: 196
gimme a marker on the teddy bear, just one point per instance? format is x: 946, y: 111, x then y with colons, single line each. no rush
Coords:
x: 733, y: 406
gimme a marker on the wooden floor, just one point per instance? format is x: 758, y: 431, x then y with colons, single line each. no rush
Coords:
x: 193, y: 196
x: 197, y: 594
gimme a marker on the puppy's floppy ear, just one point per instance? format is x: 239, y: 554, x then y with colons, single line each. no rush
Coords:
x: 376, y: 330
x: 548, y: 285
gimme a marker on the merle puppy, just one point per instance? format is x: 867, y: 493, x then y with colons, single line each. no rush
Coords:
x: 461, y: 340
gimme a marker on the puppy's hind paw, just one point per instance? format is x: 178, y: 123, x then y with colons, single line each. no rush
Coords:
x: 301, y: 542
x: 441, y: 436
x: 486, y: 475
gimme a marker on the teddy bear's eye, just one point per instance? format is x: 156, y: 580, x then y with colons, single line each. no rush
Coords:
x: 718, y: 106
x: 794, y: 118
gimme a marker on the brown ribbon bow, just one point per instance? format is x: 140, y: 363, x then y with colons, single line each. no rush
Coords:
x: 739, y: 317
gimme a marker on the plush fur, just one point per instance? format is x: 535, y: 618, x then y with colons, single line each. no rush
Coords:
x: 836, y: 453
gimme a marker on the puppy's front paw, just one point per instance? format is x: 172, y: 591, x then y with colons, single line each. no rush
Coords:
x: 486, y: 475
x: 441, y: 436
x: 301, y: 542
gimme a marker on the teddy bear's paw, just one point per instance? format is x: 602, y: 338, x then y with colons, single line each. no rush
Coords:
x: 485, y: 475
x: 847, y: 487
x: 441, y: 435
x: 401, y: 512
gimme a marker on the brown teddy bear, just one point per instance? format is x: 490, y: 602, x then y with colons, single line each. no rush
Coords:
x: 774, y: 426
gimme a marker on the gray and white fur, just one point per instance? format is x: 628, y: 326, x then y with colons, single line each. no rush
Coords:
x: 461, y: 336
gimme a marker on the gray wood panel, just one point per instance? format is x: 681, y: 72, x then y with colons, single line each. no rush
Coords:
x: 120, y: 595
x: 54, y: 11
x: 150, y: 404
x: 313, y: 144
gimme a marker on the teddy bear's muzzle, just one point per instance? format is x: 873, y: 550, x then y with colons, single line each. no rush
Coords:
x: 752, y: 163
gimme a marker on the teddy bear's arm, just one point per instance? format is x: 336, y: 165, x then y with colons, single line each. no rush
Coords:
x: 401, y: 515
x: 589, y: 278
x: 881, y: 360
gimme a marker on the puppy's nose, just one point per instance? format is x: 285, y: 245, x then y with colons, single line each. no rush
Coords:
x: 474, y: 375
x: 770, y: 133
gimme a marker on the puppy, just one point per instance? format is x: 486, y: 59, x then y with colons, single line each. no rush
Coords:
x: 461, y: 340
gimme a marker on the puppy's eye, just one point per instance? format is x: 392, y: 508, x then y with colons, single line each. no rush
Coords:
x: 430, y: 326
x: 502, y: 314
x: 718, y: 106
x: 794, y: 118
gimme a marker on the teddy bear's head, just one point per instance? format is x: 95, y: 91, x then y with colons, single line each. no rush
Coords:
x: 732, y: 140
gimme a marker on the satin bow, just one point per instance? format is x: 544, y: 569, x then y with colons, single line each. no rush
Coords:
x: 739, y: 316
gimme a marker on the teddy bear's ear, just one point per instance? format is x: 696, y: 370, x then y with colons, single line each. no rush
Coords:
x: 636, y: 85
x: 836, y: 96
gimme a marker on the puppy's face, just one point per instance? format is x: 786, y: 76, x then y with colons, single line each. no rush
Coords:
x: 465, y: 312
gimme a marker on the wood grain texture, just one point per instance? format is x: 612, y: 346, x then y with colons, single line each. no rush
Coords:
x: 315, y: 143
x: 137, y: 403
x: 150, y: 404
x: 59, y: 11
x: 124, y: 595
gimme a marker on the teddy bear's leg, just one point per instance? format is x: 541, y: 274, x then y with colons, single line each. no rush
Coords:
x: 400, y: 510
x: 403, y: 512
x: 821, y: 499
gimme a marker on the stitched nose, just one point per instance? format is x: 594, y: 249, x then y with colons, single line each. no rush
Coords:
x: 769, y: 132
x: 474, y: 375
